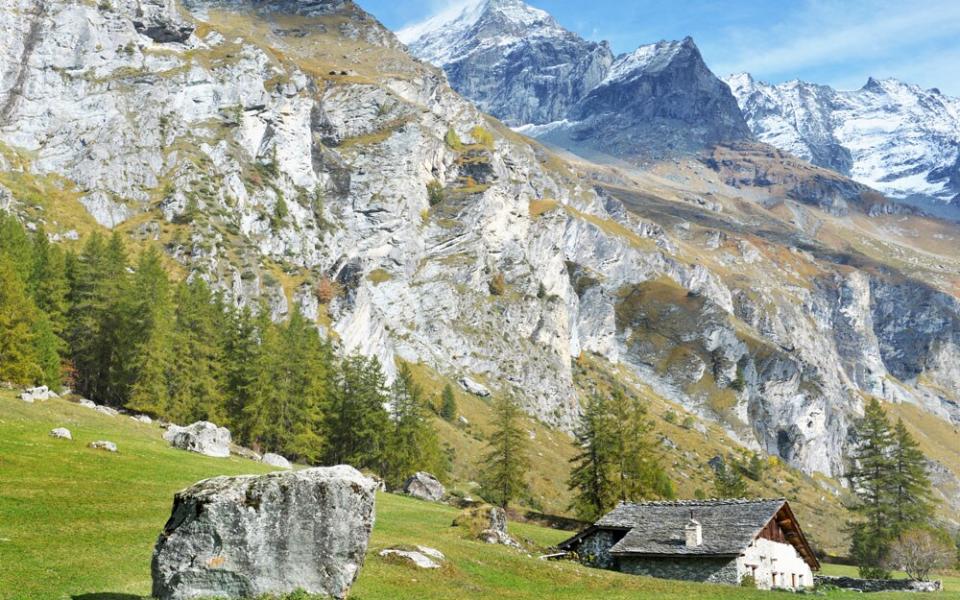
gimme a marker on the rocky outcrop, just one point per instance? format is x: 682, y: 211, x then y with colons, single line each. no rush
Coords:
x: 475, y: 388
x: 487, y: 523
x: 425, y: 487
x: 202, y: 437
x: 240, y: 537
x: 878, y: 585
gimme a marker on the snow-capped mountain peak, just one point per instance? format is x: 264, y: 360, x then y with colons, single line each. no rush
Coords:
x: 454, y: 32
x: 890, y: 135
x: 649, y: 58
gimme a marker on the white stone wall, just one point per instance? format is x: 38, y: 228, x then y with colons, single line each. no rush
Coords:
x: 775, y: 565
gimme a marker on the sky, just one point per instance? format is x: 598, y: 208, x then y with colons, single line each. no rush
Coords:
x: 835, y: 42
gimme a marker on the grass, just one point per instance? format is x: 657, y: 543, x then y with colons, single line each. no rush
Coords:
x: 76, y: 523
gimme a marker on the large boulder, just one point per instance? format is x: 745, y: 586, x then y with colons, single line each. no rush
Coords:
x: 475, y: 388
x: 244, y: 536
x: 202, y: 437
x: 425, y: 486
x: 487, y: 523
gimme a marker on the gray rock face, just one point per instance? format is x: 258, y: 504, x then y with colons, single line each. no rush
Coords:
x: 425, y: 487
x: 275, y: 460
x: 103, y: 445
x: 61, y: 433
x: 660, y: 100
x: 202, y: 437
x: 239, y: 537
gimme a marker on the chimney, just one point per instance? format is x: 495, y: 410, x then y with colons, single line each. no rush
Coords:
x: 694, y: 532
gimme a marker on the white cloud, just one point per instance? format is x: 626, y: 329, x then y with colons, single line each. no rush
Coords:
x: 845, y: 36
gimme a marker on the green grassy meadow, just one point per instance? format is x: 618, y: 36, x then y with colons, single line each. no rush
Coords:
x: 77, y: 523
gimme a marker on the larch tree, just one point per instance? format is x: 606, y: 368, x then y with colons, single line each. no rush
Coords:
x: 504, y: 470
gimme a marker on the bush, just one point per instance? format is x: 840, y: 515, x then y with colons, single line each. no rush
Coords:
x: 498, y: 285
x: 326, y: 290
x: 749, y: 581
x: 482, y: 137
x: 670, y: 416
x: 435, y: 193
x: 688, y: 422
x: 453, y: 140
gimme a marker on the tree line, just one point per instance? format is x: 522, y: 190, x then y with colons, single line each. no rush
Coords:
x: 117, y: 329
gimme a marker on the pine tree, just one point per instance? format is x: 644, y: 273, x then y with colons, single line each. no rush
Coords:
x: 448, y: 403
x: 356, y: 421
x: 728, y: 482
x: 18, y: 356
x: 503, y: 476
x: 412, y: 444
x: 639, y: 473
x: 241, y: 354
x: 198, y: 372
x: 16, y: 245
x: 912, y: 499
x: 151, y: 326
x: 261, y: 391
x: 872, y: 482
x: 593, y: 476
x: 307, y: 375
x: 48, y: 281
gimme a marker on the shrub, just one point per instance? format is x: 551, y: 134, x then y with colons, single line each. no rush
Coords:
x: 435, y: 193
x: 670, y: 416
x: 482, y: 137
x: 748, y: 581
x: 688, y: 422
x: 453, y: 140
x: 498, y: 285
x: 326, y: 290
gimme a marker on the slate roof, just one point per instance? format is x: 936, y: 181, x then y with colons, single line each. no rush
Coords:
x: 658, y: 527
x: 728, y: 527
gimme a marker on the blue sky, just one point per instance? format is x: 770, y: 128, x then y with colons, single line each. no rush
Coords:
x: 837, y: 42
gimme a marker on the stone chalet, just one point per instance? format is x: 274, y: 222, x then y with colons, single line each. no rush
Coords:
x: 717, y: 541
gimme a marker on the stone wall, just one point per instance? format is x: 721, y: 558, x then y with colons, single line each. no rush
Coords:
x: 594, y: 550
x: 707, y: 569
x: 879, y: 585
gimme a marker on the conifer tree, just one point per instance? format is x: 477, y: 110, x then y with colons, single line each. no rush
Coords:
x: 151, y: 327
x: 241, y: 354
x: 639, y: 473
x: 412, y: 444
x: 728, y: 482
x: 593, y: 475
x: 872, y: 482
x: 356, y: 421
x: 912, y: 497
x: 18, y: 357
x: 448, y: 403
x: 503, y: 476
x: 48, y: 281
x: 307, y: 385
x: 197, y: 390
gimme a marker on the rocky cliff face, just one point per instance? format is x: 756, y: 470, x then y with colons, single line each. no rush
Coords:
x: 271, y: 148
x: 891, y: 136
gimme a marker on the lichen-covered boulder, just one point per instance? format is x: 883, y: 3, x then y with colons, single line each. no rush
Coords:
x: 475, y: 388
x: 244, y: 536
x: 275, y: 460
x: 422, y: 557
x: 30, y: 395
x: 202, y: 437
x: 425, y: 486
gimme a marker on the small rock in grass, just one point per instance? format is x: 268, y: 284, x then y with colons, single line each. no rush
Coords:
x: 106, y: 410
x: 104, y: 445
x: 417, y: 559
x: 87, y: 403
x: 275, y: 460
x: 142, y: 419
x: 62, y: 433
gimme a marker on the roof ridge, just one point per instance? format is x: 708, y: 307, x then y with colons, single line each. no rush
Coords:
x: 704, y: 502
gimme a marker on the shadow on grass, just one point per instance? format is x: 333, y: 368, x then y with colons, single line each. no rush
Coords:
x: 107, y: 596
